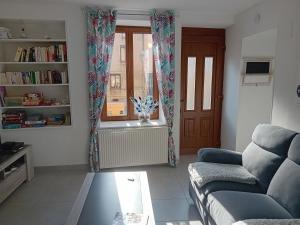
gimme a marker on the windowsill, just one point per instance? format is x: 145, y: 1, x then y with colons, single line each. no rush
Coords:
x: 130, y: 124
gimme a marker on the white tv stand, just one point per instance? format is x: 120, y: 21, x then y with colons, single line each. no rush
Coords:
x: 24, y: 172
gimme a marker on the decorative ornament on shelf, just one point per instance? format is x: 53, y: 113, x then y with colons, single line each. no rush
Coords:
x: 144, y: 106
x: 5, y: 33
x: 23, y: 33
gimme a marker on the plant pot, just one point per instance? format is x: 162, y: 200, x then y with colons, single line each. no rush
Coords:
x: 144, y: 117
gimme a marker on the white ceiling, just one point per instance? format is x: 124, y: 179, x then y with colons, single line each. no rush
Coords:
x: 232, y: 7
x: 210, y: 12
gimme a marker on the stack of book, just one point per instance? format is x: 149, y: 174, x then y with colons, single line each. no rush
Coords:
x: 56, y: 119
x: 53, y: 53
x: 13, y: 119
x: 37, y: 77
x: 35, y: 120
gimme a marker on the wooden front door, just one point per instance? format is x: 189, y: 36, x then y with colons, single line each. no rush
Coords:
x: 201, y: 88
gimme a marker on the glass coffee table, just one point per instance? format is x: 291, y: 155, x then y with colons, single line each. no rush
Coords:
x: 105, y: 195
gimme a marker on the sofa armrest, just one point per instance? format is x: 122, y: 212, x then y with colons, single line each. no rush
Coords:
x: 217, y: 155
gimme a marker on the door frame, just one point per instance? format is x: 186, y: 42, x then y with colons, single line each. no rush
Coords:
x: 206, y: 36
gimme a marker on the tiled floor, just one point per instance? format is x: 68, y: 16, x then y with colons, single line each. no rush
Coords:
x: 48, y: 199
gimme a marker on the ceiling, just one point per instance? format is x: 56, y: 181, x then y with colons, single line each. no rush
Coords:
x: 210, y: 12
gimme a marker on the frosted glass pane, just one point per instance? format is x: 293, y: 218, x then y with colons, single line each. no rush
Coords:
x: 207, y: 87
x: 191, y: 78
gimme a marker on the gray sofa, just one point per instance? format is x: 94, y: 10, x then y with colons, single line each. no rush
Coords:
x: 273, y: 157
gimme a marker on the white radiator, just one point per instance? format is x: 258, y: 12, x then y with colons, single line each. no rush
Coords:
x: 121, y: 147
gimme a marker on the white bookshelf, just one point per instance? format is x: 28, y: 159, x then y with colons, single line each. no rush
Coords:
x: 33, y: 85
x: 50, y: 127
x: 31, y: 40
x: 30, y: 63
x: 36, y: 32
x: 35, y: 107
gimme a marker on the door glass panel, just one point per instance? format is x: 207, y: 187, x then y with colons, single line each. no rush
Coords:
x: 207, y: 86
x: 117, y: 88
x: 191, y: 80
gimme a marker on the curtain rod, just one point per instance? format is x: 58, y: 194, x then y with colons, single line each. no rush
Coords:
x: 136, y: 13
x: 133, y: 14
x: 125, y: 12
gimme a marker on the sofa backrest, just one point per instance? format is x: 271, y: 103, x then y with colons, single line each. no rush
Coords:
x: 266, y: 152
x: 285, y: 185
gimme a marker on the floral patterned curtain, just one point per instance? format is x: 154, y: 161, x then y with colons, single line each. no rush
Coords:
x: 101, y: 26
x: 163, y: 34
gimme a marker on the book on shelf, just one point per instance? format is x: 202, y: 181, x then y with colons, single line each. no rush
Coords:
x: 53, y: 53
x: 56, y: 119
x: 34, y: 77
x: 13, y: 119
x: 35, y: 120
x: 18, y: 54
x: 2, y: 96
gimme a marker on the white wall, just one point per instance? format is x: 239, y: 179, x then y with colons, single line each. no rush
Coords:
x: 66, y: 146
x: 255, y: 102
x: 69, y: 145
x: 286, y: 105
x: 285, y: 17
x: 59, y: 146
x: 177, y: 86
x: 230, y: 87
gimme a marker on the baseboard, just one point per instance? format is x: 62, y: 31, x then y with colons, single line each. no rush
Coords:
x: 82, y: 167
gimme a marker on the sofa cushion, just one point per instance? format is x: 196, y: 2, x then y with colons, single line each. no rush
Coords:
x: 204, y: 172
x: 266, y: 152
x: 294, y: 151
x: 284, y: 187
x: 273, y: 138
x: 219, y: 155
x: 228, y: 207
x: 203, y: 192
x: 262, y: 164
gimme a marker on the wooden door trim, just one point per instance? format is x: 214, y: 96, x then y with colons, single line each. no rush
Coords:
x: 205, y: 36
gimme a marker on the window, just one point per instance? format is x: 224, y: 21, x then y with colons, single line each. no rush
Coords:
x: 131, y: 73
x: 115, y: 81
x: 122, y: 54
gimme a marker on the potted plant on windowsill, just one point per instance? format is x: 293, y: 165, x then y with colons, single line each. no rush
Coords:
x: 144, y: 107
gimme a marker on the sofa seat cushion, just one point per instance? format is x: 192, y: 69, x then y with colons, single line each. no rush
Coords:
x: 228, y: 207
x: 214, y: 186
x: 204, y: 172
